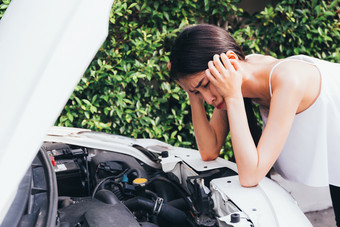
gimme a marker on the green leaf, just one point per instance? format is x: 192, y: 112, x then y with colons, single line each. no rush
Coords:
x: 166, y: 15
x: 70, y: 116
x: 173, y: 134
x: 133, y: 5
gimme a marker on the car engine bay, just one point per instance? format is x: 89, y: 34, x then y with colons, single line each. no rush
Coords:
x: 100, y: 188
x: 81, y: 178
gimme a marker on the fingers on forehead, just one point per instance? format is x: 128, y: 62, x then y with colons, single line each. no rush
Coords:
x: 212, y: 68
x: 210, y: 76
x: 207, y: 73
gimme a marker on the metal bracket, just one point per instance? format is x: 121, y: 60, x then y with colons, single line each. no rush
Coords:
x: 158, y: 205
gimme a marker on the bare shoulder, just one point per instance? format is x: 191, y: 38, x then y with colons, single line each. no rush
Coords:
x: 259, y: 58
x: 297, y: 78
x: 294, y: 71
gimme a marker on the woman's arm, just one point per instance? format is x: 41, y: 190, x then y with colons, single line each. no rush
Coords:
x: 210, y: 135
x: 254, y: 162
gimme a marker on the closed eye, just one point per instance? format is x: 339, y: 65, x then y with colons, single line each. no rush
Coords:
x: 207, y: 84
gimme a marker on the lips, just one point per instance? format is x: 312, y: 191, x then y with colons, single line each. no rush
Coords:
x: 219, y: 106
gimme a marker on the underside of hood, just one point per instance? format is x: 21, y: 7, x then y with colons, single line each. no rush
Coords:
x: 45, y: 47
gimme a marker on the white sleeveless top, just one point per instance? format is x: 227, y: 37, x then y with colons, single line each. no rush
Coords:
x: 311, y: 154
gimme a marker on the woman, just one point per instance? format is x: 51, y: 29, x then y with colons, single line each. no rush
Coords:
x: 299, y: 99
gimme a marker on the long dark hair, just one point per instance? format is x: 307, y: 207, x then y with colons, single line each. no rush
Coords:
x: 195, y: 46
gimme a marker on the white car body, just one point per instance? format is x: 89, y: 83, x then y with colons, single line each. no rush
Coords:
x: 45, y: 47
x: 268, y: 204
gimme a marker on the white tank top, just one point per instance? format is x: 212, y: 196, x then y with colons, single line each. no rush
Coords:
x: 311, y: 154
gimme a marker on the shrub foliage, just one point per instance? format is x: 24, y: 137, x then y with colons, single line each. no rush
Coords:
x: 126, y: 89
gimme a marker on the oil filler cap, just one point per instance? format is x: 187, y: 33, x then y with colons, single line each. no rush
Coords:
x: 235, y: 218
x: 140, y: 182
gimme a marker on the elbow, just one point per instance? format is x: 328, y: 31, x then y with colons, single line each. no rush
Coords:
x: 208, y: 157
x: 248, y: 183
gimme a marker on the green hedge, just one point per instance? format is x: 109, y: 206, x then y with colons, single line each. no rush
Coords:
x: 126, y: 90
x: 293, y: 27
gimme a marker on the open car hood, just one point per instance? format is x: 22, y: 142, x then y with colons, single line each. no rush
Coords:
x: 45, y: 47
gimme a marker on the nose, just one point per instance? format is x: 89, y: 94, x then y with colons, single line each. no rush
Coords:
x: 208, y: 97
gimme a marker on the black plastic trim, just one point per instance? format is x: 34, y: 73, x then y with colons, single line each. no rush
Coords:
x: 53, y: 196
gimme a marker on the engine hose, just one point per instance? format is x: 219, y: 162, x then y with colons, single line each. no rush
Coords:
x: 167, y: 212
x: 173, y: 184
x: 164, y: 191
x: 179, y: 204
x: 107, y: 197
x: 151, y: 194
x: 111, y: 178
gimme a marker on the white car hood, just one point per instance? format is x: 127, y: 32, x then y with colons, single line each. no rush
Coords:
x: 45, y: 47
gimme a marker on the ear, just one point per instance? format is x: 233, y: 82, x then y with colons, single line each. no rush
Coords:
x: 232, y: 55
x: 233, y: 58
x: 169, y: 65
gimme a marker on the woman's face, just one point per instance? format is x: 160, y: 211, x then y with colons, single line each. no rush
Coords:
x: 199, y: 85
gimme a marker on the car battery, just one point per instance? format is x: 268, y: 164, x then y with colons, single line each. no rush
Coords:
x: 69, y: 164
x: 67, y: 168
